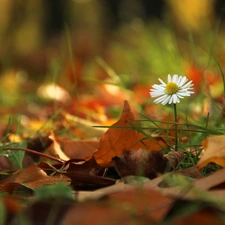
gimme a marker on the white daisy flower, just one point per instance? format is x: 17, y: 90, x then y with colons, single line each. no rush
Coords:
x: 177, y: 87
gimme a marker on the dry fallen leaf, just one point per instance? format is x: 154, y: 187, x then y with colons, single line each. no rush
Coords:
x: 214, y: 151
x: 212, y: 181
x: 136, y: 206
x: 32, y: 177
x: 84, y: 175
x: 116, y: 140
x: 149, y: 164
x: 140, y: 162
x: 73, y: 149
x: 192, y: 172
x: 39, y: 212
x: 203, y: 216
x: 147, y: 202
x: 56, y: 149
x: 80, y: 149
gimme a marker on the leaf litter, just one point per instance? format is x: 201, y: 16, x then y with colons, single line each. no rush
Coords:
x: 117, y: 175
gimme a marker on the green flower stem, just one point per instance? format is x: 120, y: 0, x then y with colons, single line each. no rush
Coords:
x: 176, y: 130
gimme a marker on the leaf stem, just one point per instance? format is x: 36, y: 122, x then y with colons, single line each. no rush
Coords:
x: 175, y: 124
x: 34, y: 152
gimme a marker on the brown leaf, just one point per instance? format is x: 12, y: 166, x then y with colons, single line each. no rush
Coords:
x: 80, y: 149
x: 136, y: 206
x: 211, y: 181
x: 145, y: 201
x: 82, y: 181
x: 56, y: 149
x: 145, y: 163
x: 174, y: 158
x: 88, y: 167
x: 204, y: 216
x: 116, y: 140
x: 39, y: 212
x: 192, y: 172
x: 85, y: 176
x: 214, y: 148
x: 33, y: 177
x: 140, y: 162
x: 39, y: 144
x: 73, y: 149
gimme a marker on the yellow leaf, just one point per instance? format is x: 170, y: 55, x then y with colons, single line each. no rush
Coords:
x: 214, y: 151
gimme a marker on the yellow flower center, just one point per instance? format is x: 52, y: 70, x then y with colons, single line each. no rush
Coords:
x: 171, y: 88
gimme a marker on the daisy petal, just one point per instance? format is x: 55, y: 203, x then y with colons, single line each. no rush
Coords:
x: 166, y: 100
x: 189, y: 84
x: 183, y: 81
x: 179, y: 80
x: 164, y: 94
x: 160, y: 99
x: 162, y: 82
x: 175, y: 78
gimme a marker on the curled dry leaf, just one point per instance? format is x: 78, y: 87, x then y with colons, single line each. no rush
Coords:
x: 214, y: 151
x: 174, y: 158
x: 140, y: 162
x: 120, y: 137
x: 145, y: 163
x: 56, y: 149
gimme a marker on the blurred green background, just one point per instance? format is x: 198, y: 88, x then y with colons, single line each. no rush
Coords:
x: 33, y: 33
x: 140, y: 40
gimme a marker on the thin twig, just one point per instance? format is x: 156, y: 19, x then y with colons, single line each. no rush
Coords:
x: 34, y: 152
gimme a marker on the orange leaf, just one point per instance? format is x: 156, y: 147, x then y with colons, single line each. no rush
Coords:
x: 116, y: 140
x: 214, y: 151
